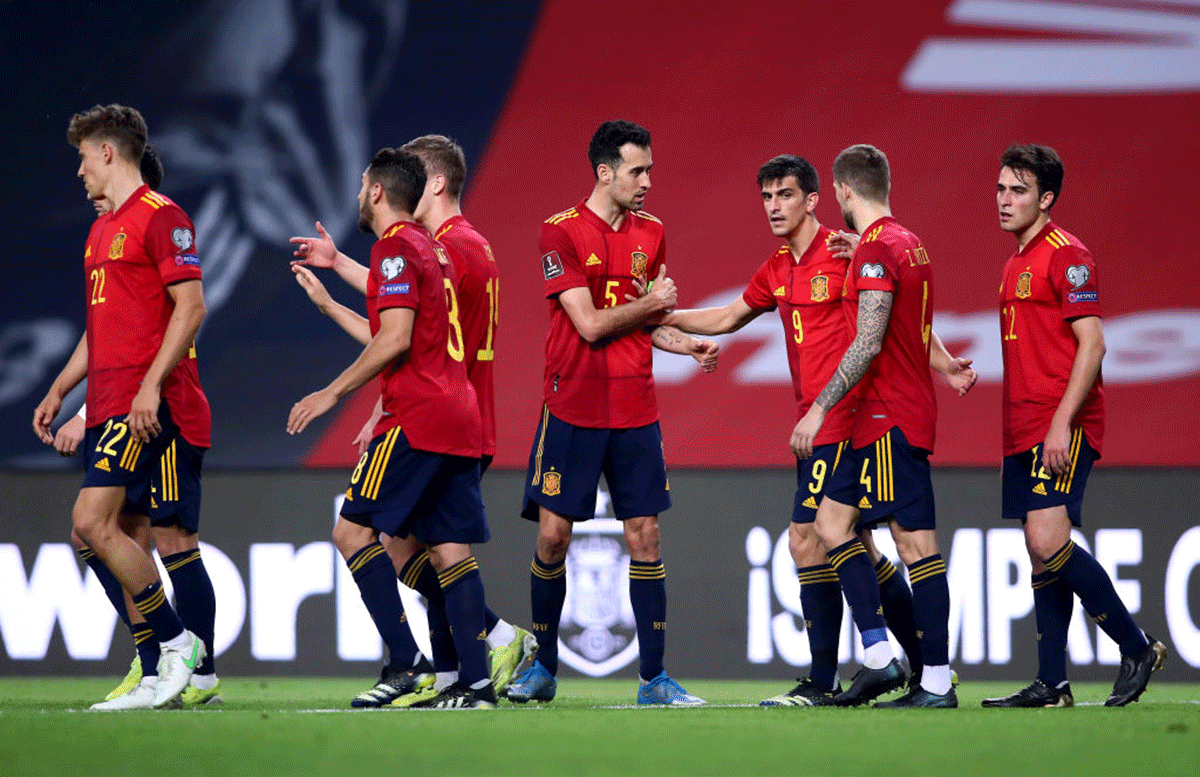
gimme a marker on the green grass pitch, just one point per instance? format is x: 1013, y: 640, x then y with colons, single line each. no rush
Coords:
x: 277, y: 726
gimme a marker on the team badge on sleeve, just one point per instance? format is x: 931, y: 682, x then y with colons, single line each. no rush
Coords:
x: 552, y: 265
x: 820, y: 288
x: 392, y: 266
x: 1078, y: 275
x: 871, y: 271
x: 182, y: 238
x: 639, y: 263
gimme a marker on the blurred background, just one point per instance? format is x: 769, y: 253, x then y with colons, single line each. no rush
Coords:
x: 265, y: 113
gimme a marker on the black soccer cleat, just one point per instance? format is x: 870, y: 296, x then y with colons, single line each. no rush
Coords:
x: 1036, y: 694
x: 871, y: 683
x: 1135, y: 673
x: 919, y: 697
x: 394, y: 683
x: 806, y: 694
x: 459, y: 697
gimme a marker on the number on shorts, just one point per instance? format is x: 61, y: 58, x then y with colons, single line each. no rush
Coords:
x: 818, y: 473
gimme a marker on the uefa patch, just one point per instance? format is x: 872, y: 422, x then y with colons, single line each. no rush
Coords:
x: 1078, y: 275
x: 182, y: 237
x: 552, y: 265
x: 1082, y: 296
x: 182, y: 259
x: 392, y: 266
x: 871, y: 271
x: 388, y: 289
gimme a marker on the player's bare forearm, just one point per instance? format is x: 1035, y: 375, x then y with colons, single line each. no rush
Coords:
x: 182, y: 327
x: 939, y: 357
x: 712, y: 321
x: 1089, y: 355
x: 351, y: 272
x: 74, y: 371
x: 353, y: 324
x: 389, y: 344
x: 874, y: 312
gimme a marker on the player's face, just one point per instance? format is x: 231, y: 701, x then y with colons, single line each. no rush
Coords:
x: 842, y: 193
x: 787, y: 205
x: 366, y: 215
x: 631, y: 180
x: 1018, y: 201
x: 93, y: 167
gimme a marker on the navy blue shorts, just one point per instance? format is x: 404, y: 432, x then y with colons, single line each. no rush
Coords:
x: 1027, y: 485
x: 175, y: 487
x: 887, y: 479
x: 814, y: 475
x: 401, y: 491
x: 112, y: 457
x: 566, y: 463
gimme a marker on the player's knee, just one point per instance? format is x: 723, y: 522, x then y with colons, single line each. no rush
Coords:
x: 805, y: 545
x: 1042, y: 546
x: 174, y: 539
x: 77, y: 541
x: 552, y: 544
x: 642, y: 538
x: 349, y: 537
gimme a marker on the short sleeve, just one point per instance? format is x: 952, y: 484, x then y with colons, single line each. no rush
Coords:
x: 560, y: 262
x: 171, y: 244
x: 758, y: 294
x: 875, y: 267
x: 394, y: 274
x: 1073, y: 278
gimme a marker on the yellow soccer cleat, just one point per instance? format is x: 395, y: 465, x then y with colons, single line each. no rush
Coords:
x: 509, y: 661
x: 194, y: 696
x: 131, y: 681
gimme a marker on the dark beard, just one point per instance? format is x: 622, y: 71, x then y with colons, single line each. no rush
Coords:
x: 849, y: 218
x: 365, y: 222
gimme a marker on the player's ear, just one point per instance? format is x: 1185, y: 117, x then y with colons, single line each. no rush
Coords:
x: 438, y: 184
x: 604, y: 173
x: 810, y: 202
x: 1046, y: 200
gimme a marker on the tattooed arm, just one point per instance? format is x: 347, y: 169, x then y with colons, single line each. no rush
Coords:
x: 874, y: 312
x: 670, y: 339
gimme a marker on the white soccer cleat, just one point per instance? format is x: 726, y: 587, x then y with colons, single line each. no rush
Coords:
x: 176, y: 667
x: 141, y: 697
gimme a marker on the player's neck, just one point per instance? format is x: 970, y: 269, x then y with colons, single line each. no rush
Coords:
x: 802, y: 238
x: 867, y: 213
x: 385, y: 217
x: 606, y: 209
x: 1031, y: 231
x: 124, y: 182
x: 440, y: 211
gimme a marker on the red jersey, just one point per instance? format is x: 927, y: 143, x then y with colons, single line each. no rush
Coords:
x: 133, y: 254
x: 479, y: 308
x: 806, y: 292
x: 1045, y: 286
x: 608, y: 384
x: 425, y: 392
x: 897, y: 390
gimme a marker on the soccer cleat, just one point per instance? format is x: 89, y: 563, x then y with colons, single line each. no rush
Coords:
x: 141, y: 697
x: 914, y: 679
x: 806, y: 694
x: 870, y: 683
x: 919, y: 697
x: 418, y: 694
x: 459, y: 697
x: 664, y: 690
x: 1135, y: 673
x: 394, y: 684
x: 131, y: 681
x: 194, y: 695
x: 176, y: 667
x: 511, y: 660
x: 1036, y: 694
x: 534, y: 684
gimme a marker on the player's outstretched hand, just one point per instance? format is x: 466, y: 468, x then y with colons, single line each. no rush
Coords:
x: 68, y: 437
x: 43, y: 416
x: 806, y: 431
x: 312, y: 286
x: 960, y: 376
x: 842, y: 244
x: 315, y: 251
x: 313, y: 406
x: 706, y: 352
x: 143, y: 414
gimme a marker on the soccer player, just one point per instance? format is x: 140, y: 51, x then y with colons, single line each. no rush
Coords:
x: 477, y: 283
x: 144, y: 306
x: 174, y: 503
x: 1053, y: 343
x: 600, y: 413
x: 803, y: 280
x: 888, y: 295
x: 420, y: 474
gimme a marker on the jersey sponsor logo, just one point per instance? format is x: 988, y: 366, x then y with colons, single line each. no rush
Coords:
x: 182, y: 259
x: 871, y: 271
x: 552, y: 265
x: 1078, y: 275
x: 779, y: 292
x: 392, y: 266
x: 820, y: 288
x: 639, y: 263
x: 592, y: 261
x: 182, y: 237
x: 389, y: 289
x: 1024, y: 284
x: 117, y: 248
x: 1082, y: 296
x: 551, y: 483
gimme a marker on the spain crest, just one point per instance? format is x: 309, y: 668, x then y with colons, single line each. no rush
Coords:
x: 1024, y: 284
x: 117, y: 249
x: 639, y: 263
x: 820, y: 288
x: 551, y: 483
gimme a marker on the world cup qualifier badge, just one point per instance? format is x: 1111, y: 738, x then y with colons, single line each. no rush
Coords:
x: 597, y: 633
